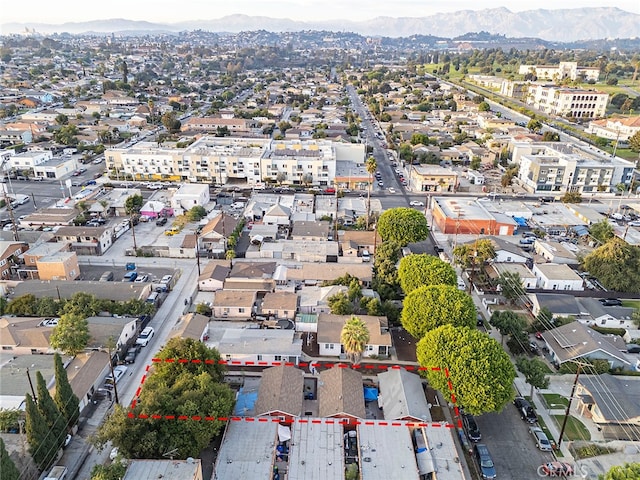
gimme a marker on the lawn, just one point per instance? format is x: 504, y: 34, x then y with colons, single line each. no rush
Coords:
x: 575, y: 429
x: 554, y: 400
x: 631, y: 303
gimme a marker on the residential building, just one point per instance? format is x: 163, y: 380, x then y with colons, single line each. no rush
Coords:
x: 561, y: 101
x: 330, y: 327
x: 340, y: 394
x: 296, y: 162
x: 576, y: 340
x: 554, y: 276
x: 190, y: 195
x: 402, y: 396
x: 527, y: 278
x: 120, y: 330
x: 9, y: 251
x: 432, y: 178
x: 556, y: 252
x: 508, y: 252
x: 388, y: 438
x: 235, y: 126
x: 317, y: 231
x: 213, y: 236
x: 191, y: 325
x: 563, y: 167
x: 315, y: 300
x: 189, y: 469
x: 237, y: 457
x: 281, y: 392
x: 562, y: 71
x: 25, y: 336
x: 86, y: 240
x: 280, y: 305
x: 213, y: 275
x: 58, y: 266
x: 238, y: 304
x: 612, y: 403
x: 617, y: 128
x: 315, y: 451
x: 27, y: 160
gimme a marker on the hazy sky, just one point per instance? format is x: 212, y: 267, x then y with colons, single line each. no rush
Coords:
x: 169, y: 11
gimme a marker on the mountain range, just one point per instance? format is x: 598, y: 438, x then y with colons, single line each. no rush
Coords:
x: 563, y: 25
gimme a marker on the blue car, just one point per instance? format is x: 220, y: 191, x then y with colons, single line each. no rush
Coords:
x: 485, y: 462
x: 130, y: 276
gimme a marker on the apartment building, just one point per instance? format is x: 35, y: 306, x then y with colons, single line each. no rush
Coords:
x: 561, y: 167
x: 224, y: 160
x: 567, y: 102
x: 564, y: 70
x: 615, y: 128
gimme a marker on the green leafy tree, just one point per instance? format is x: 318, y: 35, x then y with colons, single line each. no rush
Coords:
x: 634, y: 142
x: 71, y: 335
x: 550, y: 136
x: 429, y: 307
x: 340, y: 304
x: 371, y: 166
x: 7, y: 467
x: 182, y: 389
x: 571, y: 197
x: 469, y: 255
x: 480, y: 371
x: 616, y: 264
x: 484, y: 107
x: 354, y: 337
x: 508, y: 323
x: 534, y: 125
x: 66, y: 401
x: 510, y: 285
x: 535, y: 372
x: 423, y: 270
x: 133, y: 204
x: 114, y: 471
x: 628, y: 471
x: 403, y: 226
x: 62, y: 119
x: 23, y: 306
x: 602, y: 231
x: 52, y: 416
x: 42, y: 446
x: 66, y: 135
x: 196, y: 213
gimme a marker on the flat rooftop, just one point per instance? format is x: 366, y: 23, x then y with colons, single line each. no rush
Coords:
x: 376, y: 442
x: 166, y: 469
x: 247, y: 451
x: 463, y: 207
x: 316, y: 452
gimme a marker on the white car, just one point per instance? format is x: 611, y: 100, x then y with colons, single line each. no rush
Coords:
x: 392, y: 190
x: 416, y: 203
x: 49, y: 322
x: 141, y: 279
x: 145, y: 336
x: 542, y: 442
x: 166, y: 279
x: 634, y: 224
x: 118, y: 373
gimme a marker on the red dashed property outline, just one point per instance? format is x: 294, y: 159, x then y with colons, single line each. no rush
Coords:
x: 326, y: 421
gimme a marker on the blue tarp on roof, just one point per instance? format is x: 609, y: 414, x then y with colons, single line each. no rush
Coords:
x: 581, y: 230
x: 245, y: 402
x: 370, y: 394
x: 520, y: 221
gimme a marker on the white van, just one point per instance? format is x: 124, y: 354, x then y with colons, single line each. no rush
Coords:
x: 366, y: 257
x: 57, y: 473
x: 461, y: 284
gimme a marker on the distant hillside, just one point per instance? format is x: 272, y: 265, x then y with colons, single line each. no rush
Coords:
x: 565, y: 25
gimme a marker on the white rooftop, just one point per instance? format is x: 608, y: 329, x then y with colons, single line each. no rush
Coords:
x: 316, y: 452
x: 247, y: 451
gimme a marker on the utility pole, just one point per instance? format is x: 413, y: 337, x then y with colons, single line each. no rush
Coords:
x: 566, y: 413
x: 197, y: 253
x: 33, y: 392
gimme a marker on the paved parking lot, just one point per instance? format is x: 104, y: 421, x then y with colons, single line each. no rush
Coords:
x: 94, y: 272
x: 511, y: 445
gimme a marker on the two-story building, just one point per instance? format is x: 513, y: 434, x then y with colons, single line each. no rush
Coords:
x: 86, y: 240
x: 330, y: 327
x: 432, y: 178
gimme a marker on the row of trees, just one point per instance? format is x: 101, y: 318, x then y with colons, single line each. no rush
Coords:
x: 48, y: 420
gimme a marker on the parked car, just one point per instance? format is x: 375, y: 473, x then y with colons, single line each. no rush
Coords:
x: 416, y: 203
x: 145, y: 336
x: 610, y: 302
x: 166, y: 279
x: 131, y: 355
x: 542, y: 442
x: 557, y: 469
x: 142, y: 279
x: 471, y: 427
x: 130, y: 277
x: 118, y: 373
x: 525, y: 409
x: 161, y: 222
x: 49, y: 322
x: 485, y: 462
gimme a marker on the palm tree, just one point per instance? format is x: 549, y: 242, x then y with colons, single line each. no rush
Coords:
x: 371, y: 166
x: 354, y: 337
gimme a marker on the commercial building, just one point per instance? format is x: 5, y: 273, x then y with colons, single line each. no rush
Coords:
x: 562, y: 71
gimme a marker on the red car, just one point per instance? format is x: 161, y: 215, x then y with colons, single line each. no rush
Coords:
x: 539, y: 335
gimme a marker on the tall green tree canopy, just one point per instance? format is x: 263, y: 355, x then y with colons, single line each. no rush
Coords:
x: 480, y: 371
x: 535, y: 372
x: 42, y: 446
x: 71, y: 335
x: 424, y: 270
x: 427, y: 308
x: 7, y: 467
x: 133, y: 204
x: 49, y: 410
x: 602, y: 231
x: 508, y: 323
x: 66, y: 401
x: 616, y: 264
x: 403, y: 225
x: 189, y: 389
x: 474, y: 254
